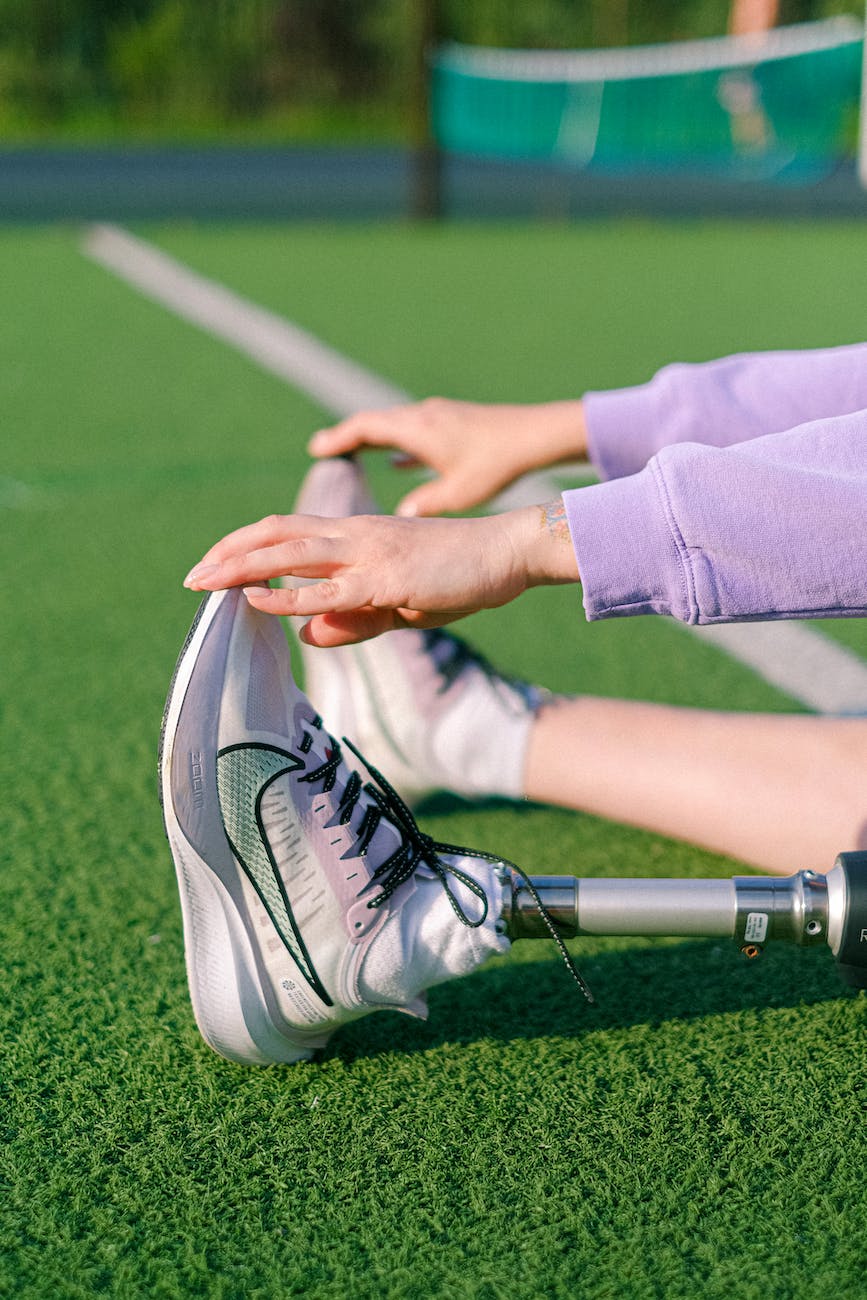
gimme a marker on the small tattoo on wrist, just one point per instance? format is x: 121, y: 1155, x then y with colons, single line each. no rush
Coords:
x: 552, y: 518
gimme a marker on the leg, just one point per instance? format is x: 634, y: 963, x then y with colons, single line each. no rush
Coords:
x: 780, y: 791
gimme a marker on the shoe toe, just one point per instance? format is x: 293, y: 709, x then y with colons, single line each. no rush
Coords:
x: 335, y: 488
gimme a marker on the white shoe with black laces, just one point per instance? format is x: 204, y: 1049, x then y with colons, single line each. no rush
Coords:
x: 310, y: 897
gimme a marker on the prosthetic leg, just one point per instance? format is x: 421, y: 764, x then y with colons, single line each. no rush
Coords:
x: 806, y: 909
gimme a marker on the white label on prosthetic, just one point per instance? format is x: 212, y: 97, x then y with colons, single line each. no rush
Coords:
x: 756, y: 928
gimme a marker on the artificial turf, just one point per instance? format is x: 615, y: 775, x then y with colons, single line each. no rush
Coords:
x: 700, y: 1133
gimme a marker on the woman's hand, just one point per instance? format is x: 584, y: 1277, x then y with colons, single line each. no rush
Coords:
x: 369, y: 574
x: 475, y: 450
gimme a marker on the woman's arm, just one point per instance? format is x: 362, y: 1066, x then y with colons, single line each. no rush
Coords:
x: 775, y: 527
x: 373, y: 573
x: 719, y: 403
x: 771, y: 528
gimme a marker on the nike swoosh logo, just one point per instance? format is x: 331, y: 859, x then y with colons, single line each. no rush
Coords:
x: 244, y: 774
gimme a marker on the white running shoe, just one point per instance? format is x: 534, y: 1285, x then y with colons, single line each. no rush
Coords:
x: 422, y: 705
x: 309, y: 895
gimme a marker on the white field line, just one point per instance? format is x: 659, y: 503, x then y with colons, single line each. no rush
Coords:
x: 799, y: 660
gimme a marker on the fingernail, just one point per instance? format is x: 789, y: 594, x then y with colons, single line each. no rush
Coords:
x: 261, y: 593
x: 198, y: 572
x: 319, y: 442
x: 407, y: 510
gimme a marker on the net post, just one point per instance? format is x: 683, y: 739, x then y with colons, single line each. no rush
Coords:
x: 426, y: 197
x: 862, y: 130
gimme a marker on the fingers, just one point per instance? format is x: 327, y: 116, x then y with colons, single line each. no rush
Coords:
x: 366, y: 429
x: 277, y: 545
x: 331, y: 596
x: 439, y: 496
x: 404, y: 460
x: 348, y: 628
x: 265, y: 532
x: 438, y: 433
x: 327, y: 630
x: 377, y: 572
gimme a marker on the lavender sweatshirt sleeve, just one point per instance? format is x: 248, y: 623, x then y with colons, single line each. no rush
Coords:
x: 730, y: 522
x: 722, y: 402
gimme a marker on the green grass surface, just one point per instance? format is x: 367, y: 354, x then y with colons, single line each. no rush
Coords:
x: 699, y: 1134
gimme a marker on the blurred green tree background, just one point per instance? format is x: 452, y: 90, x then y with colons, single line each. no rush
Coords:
x: 284, y: 69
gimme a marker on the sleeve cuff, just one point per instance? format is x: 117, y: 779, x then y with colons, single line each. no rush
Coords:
x: 630, y: 556
x: 620, y: 428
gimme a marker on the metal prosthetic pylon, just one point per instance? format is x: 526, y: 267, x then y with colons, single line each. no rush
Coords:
x: 807, y: 908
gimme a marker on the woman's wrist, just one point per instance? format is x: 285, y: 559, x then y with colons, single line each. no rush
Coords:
x: 541, y: 538
x: 562, y: 432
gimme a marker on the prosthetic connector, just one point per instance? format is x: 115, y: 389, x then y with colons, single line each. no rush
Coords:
x: 807, y: 908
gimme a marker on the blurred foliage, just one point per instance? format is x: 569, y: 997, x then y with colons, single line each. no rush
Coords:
x: 187, y: 65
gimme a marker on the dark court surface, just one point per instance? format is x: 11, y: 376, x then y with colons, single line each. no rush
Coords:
x: 125, y: 183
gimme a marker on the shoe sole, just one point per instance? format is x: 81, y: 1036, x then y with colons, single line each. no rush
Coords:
x: 226, y: 987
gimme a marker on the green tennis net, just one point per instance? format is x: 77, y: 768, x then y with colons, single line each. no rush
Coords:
x: 782, y: 104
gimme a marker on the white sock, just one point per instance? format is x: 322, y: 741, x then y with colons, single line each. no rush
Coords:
x: 425, y: 943
x: 487, y: 746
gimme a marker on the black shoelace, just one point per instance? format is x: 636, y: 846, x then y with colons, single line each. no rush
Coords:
x: 416, y: 848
